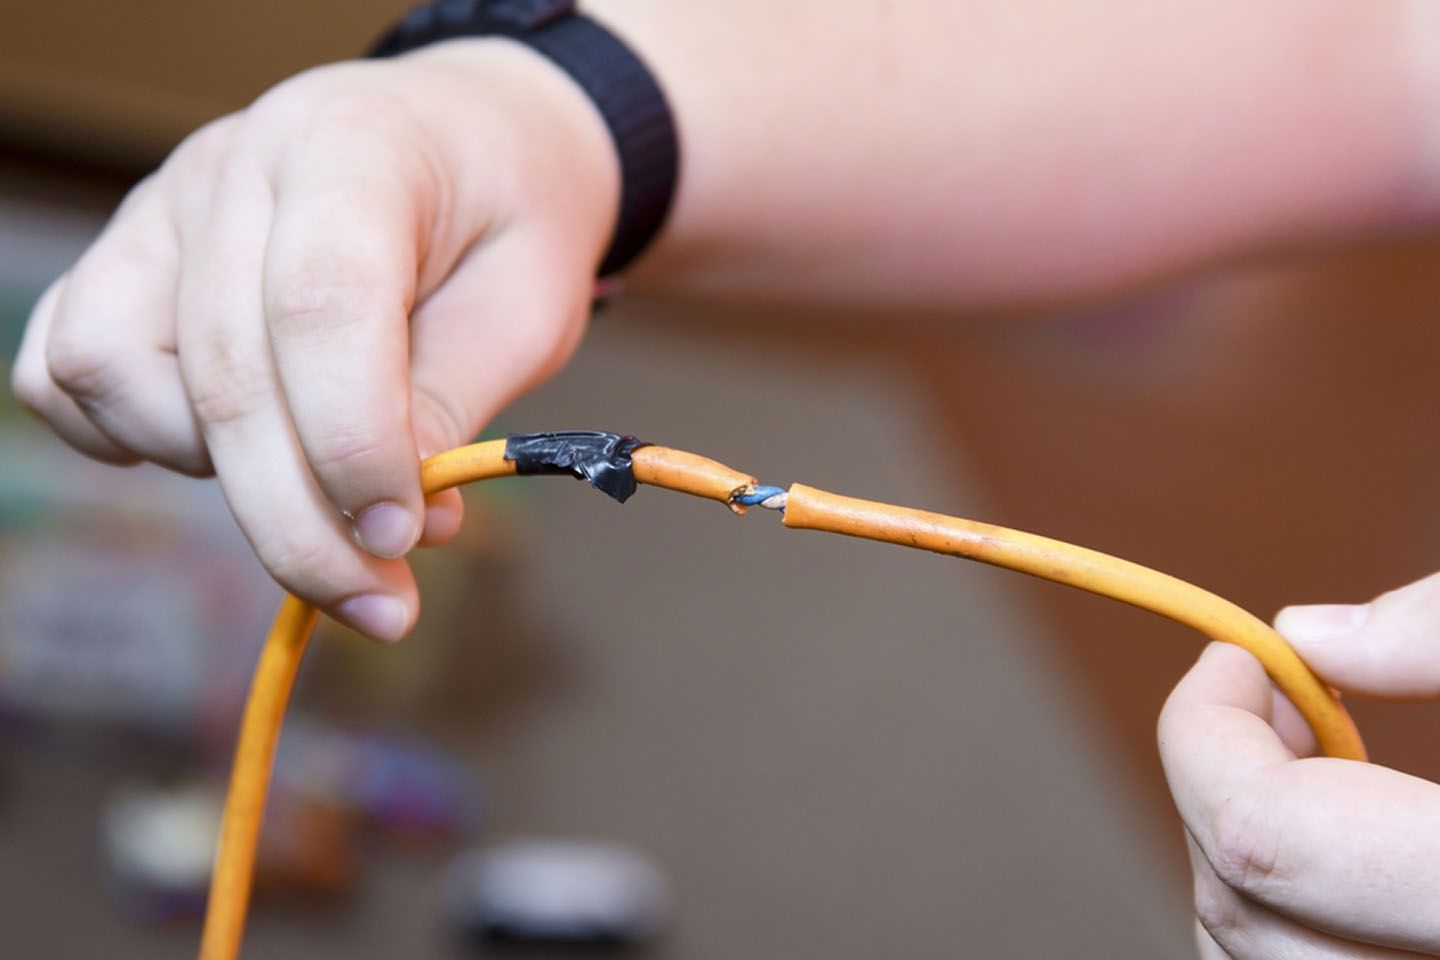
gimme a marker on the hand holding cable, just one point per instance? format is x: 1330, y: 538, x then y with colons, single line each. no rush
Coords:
x: 1297, y: 855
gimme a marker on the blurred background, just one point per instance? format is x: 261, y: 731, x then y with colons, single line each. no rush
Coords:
x: 745, y: 741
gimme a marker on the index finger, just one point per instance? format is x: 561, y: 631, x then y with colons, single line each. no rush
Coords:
x: 339, y: 280
x: 1346, y: 847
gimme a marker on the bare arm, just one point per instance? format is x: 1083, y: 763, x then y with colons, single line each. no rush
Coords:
x: 981, y: 152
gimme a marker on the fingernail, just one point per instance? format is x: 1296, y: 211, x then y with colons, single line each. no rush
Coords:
x: 1321, y: 622
x: 386, y: 530
x: 375, y: 614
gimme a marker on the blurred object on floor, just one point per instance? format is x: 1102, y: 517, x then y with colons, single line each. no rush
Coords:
x: 122, y: 601
x: 398, y: 785
x: 309, y: 852
x: 559, y: 892
x: 333, y: 789
x: 159, y: 843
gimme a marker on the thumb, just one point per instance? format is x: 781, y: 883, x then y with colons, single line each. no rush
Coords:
x: 1389, y: 647
x: 507, y: 319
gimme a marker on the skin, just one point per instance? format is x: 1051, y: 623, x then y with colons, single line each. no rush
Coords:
x: 362, y: 267
x: 300, y: 298
x: 1296, y: 855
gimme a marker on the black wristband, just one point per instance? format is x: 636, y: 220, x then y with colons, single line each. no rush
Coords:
x: 612, y: 76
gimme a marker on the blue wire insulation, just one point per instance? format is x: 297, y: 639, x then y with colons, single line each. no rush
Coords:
x: 757, y: 496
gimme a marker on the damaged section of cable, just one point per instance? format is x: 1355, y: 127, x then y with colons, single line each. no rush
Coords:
x: 760, y: 495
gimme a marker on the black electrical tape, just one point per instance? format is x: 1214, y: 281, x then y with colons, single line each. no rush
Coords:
x: 600, y: 459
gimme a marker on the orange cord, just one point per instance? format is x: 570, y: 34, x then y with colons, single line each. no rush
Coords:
x: 280, y: 658
x: 805, y: 508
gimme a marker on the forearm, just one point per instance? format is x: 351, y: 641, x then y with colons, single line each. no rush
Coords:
x: 962, y: 153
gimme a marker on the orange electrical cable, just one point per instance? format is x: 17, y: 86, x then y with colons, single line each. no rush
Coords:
x: 810, y: 509
x: 803, y: 508
x: 265, y: 710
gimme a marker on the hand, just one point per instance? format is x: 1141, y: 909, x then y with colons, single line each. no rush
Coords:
x: 312, y: 294
x: 1302, y: 856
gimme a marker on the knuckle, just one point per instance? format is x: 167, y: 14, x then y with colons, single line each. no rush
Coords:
x: 192, y: 173
x: 135, y: 196
x: 1215, y: 908
x: 228, y: 385
x: 131, y: 248
x: 355, y: 111
x: 1244, y: 848
x: 79, y: 366
x: 346, y: 449
x: 30, y: 385
x: 300, y: 91
x: 338, y: 102
x: 146, y: 193
x: 203, y: 152
x: 294, y: 560
x: 299, y: 307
